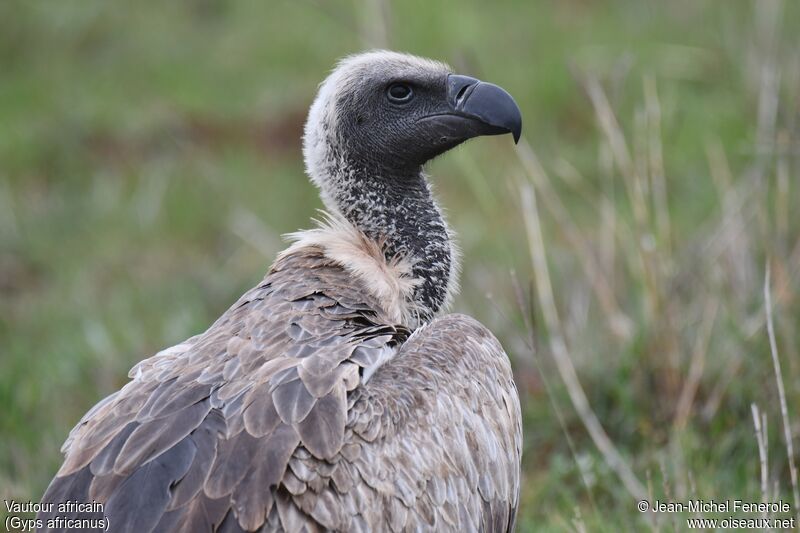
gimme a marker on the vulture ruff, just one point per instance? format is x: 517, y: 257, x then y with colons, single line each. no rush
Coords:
x: 334, y: 395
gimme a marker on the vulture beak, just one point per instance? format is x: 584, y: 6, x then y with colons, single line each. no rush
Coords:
x: 485, y: 102
x: 477, y: 108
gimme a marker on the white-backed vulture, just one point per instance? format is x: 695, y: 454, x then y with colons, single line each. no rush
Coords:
x: 334, y: 395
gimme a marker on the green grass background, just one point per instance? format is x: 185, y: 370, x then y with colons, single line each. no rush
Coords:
x: 150, y: 161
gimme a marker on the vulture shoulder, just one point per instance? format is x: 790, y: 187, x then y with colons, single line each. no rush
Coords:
x: 304, y: 407
x: 436, y: 437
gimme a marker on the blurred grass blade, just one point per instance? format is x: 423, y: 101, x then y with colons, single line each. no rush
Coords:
x: 559, y: 350
x: 776, y: 363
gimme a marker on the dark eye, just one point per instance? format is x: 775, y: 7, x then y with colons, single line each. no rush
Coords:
x: 399, y: 93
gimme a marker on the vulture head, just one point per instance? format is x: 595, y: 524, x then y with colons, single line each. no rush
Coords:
x: 376, y: 120
x: 396, y: 111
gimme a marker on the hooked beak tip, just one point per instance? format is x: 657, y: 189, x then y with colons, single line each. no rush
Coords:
x: 488, y: 103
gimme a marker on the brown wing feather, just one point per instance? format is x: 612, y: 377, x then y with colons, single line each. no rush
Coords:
x: 205, y: 431
x: 273, y: 420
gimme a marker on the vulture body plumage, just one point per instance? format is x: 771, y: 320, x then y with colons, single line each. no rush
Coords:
x: 334, y: 395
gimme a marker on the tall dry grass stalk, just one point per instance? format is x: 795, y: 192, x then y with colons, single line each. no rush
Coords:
x: 776, y: 364
x: 760, y: 424
x: 686, y: 399
x: 619, y: 324
x: 558, y: 346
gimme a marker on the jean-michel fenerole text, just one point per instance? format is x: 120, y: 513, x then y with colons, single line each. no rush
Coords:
x: 720, y: 506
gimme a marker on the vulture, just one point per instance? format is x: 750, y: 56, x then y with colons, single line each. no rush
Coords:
x: 336, y: 395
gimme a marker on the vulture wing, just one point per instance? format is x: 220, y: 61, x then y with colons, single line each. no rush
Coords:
x: 273, y: 420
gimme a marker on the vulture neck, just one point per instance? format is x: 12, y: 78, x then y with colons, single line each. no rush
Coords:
x: 397, y: 209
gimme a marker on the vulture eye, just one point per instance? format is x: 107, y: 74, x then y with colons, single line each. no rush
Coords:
x: 399, y: 93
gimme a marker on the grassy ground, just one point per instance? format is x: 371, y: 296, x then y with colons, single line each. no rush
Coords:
x: 149, y: 162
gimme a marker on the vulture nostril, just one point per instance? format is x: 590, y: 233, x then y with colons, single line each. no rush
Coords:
x: 461, y: 92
